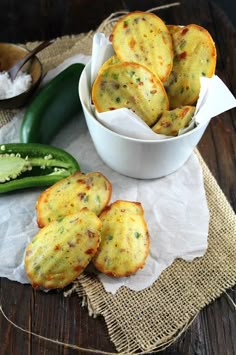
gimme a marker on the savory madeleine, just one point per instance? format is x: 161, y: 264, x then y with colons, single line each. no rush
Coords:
x: 59, y: 252
x: 142, y: 37
x: 194, y: 56
x: 70, y: 195
x: 124, y: 243
x: 132, y: 86
x: 172, y: 121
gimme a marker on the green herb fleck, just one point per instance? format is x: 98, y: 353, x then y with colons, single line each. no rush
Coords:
x: 203, y: 73
x: 115, y: 76
x: 137, y: 235
x: 97, y: 199
x: 105, y: 74
x: 118, y: 99
x: 110, y: 237
x: 182, y: 44
x: 131, y: 73
x: 61, y: 230
x: 173, y: 116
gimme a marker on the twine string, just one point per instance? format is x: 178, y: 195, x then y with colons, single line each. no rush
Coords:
x: 115, y: 16
x: 163, y: 346
x: 54, y: 341
x: 232, y: 303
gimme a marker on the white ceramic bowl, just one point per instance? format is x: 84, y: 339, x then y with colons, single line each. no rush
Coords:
x: 137, y: 158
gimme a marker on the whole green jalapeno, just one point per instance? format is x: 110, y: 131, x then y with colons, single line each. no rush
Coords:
x: 56, y: 103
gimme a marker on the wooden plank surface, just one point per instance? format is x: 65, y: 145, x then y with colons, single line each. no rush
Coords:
x: 52, y: 315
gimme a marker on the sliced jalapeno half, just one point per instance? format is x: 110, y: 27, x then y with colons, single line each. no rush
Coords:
x: 24, y: 165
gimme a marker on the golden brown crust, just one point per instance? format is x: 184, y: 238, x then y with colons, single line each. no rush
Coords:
x: 92, y: 190
x: 125, y: 240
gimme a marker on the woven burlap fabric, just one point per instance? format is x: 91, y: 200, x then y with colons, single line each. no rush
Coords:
x: 152, y: 318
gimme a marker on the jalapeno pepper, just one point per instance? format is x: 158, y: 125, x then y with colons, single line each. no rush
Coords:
x: 24, y: 165
x: 53, y: 107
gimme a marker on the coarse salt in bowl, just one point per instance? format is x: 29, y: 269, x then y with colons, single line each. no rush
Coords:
x: 9, y: 88
x: 137, y: 158
x: 16, y: 94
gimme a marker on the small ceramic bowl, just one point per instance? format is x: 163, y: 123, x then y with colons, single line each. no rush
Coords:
x: 9, y: 55
x: 137, y: 158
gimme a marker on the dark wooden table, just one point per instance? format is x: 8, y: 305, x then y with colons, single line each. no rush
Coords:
x: 213, y: 331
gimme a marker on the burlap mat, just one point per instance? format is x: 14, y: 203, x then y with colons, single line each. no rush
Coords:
x: 154, y: 317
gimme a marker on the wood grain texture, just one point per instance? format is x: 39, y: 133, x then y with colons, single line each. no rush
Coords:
x: 52, y: 315
x: 27, y: 20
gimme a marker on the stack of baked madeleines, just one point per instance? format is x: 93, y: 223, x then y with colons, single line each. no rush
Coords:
x: 155, y: 71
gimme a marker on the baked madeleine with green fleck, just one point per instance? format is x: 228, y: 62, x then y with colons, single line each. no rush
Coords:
x: 142, y: 37
x: 172, y: 121
x: 194, y: 56
x: 110, y: 61
x: 132, y: 86
x: 124, y: 243
x: 70, y: 195
x: 59, y: 252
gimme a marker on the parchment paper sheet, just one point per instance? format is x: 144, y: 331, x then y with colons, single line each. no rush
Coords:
x: 175, y: 207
